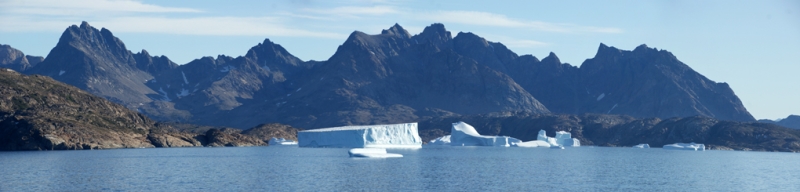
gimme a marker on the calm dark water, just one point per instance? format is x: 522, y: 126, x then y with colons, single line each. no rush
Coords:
x: 427, y: 169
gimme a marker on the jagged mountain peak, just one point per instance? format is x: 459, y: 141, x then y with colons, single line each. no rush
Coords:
x: 87, y: 37
x: 469, y: 36
x: 607, y: 51
x: 84, y: 25
x: 435, y: 33
x: 551, y: 58
x: 16, y: 60
x: 644, y: 50
x: 272, y: 56
x: 97, y: 61
x: 396, y: 30
x: 436, y: 28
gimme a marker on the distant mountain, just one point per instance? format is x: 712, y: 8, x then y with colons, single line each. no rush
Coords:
x: 96, y: 61
x: 390, y: 77
x: 642, y: 83
x: 16, y: 60
x: 793, y: 121
x: 626, y: 131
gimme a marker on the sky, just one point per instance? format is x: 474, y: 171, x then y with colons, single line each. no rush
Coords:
x: 754, y: 46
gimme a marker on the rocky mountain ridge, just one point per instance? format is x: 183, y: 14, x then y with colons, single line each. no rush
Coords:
x: 792, y: 121
x: 385, y: 78
x: 16, y: 60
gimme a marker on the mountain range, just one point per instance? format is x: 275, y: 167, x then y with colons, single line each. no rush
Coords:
x: 792, y: 121
x: 390, y: 77
x: 617, y: 98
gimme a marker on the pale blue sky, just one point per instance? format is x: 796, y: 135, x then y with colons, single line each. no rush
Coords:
x: 752, y: 45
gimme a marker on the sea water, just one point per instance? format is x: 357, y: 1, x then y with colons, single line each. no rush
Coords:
x: 442, y: 168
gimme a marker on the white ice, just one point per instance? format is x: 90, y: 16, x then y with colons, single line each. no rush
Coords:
x: 227, y: 68
x: 601, y: 96
x: 686, y: 146
x: 464, y: 134
x: 444, y: 140
x: 184, y: 78
x: 534, y: 143
x: 166, y: 98
x: 281, y: 141
x: 183, y: 93
x: 371, y: 153
x: 403, y: 135
x: 562, y: 139
x: 61, y: 72
x: 643, y: 145
x: 612, y: 108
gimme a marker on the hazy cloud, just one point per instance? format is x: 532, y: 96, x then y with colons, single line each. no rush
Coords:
x: 353, y: 11
x: 491, y: 19
x: 129, y: 16
x: 232, y: 26
x: 85, y: 7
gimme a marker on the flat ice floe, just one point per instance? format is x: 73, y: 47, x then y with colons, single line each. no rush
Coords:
x: 534, y: 143
x: 403, y: 135
x: 686, y: 146
x: 443, y: 140
x: 371, y: 153
x: 281, y: 141
x: 463, y: 134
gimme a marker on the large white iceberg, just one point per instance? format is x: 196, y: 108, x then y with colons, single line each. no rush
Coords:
x: 281, y: 141
x: 463, y: 134
x: 371, y: 153
x: 403, y: 135
x: 686, y: 146
x: 444, y: 140
x: 643, y: 145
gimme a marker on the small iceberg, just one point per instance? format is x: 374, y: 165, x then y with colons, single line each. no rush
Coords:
x: 562, y: 139
x: 281, y: 141
x: 444, y: 140
x: 464, y: 134
x: 686, y: 146
x: 643, y: 145
x: 371, y: 153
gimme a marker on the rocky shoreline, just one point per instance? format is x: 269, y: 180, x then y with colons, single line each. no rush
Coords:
x: 39, y: 113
